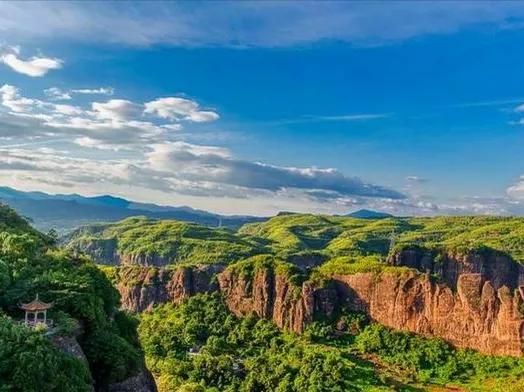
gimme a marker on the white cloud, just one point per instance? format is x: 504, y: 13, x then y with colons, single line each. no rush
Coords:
x: 117, y: 109
x: 519, y: 108
x: 415, y: 179
x: 216, y: 165
x: 94, y: 91
x: 57, y: 94
x: 179, y: 109
x: 203, y: 116
x: 516, y: 191
x: 114, y: 124
x: 349, y: 117
x: 34, y: 66
x: 68, y: 110
x: 12, y: 99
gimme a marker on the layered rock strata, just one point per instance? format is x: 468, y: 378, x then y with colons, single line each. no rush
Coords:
x: 473, y: 304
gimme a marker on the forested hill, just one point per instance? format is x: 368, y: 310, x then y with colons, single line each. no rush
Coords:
x: 310, y: 240
x: 85, y: 315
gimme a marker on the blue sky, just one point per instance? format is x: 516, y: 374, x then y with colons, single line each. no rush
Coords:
x: 257, y: 107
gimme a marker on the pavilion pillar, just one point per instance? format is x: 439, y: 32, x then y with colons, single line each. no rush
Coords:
x: 26, y: 320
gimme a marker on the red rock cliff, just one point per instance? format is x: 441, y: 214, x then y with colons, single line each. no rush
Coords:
x: 143, y: 287
x: 476, y: 316
x: 471, y: 312
x: 275, y: 297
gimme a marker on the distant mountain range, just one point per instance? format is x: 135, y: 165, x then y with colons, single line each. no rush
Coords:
x: 66, y: 212
x: 369, y: 214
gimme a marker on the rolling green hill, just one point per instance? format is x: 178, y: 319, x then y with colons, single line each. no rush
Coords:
x: 177, y: 242
x: 305, y: 240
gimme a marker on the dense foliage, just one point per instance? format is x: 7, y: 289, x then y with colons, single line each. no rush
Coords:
x: 29, y: 362
x: 434, y: 360
x: 177, y: 241
x: 80, y: 292
x: 328, y: 244
x: 200, y: 346
x: 344, y: 236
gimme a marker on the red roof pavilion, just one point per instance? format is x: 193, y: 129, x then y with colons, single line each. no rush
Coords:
x: 36, y: 307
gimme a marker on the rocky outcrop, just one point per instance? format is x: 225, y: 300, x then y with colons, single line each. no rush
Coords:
x: 494, y: 266
x: 69, y: 345
x: 275, y: 297
x: 142, y: 382
x: 480, y: 310
x: 477, y: 315
x: 143, y: 287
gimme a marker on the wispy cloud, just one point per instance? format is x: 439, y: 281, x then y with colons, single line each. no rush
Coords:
x: 416, y: 179
x: 499, y: 102
x: 341, y: 118
x: 271, y: 23
x: 94, y: 91
x: 59, y: 94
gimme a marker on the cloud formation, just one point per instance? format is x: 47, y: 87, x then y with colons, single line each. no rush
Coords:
x: 272, y: 24
x: 180, y: 109
x: 111, y: 124
x: 57, y: 94
x: 415, y: 179
x: 34, y: 66
x: 214, y: 165
x: 94, y: 91
x: 516, y: 191
x: 130, y: 145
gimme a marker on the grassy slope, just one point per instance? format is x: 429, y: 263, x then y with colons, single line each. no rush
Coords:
x: 341, y: 244
x: 178, y: 241
x: 352, y: 238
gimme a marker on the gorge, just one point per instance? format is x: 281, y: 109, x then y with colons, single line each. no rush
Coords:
x: 471, y: 298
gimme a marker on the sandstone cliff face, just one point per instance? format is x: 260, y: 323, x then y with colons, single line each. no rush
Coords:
x: 275, y: 297
x: 476, y: 316
x: 477, y: 303
x: 496, y: 267
x: 105, y: 252
x: 142, y: 288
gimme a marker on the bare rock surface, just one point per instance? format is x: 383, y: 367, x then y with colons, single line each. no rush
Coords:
x: 476, y: 302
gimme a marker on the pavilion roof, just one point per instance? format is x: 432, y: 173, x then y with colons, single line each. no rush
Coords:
x: 36, y: 305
